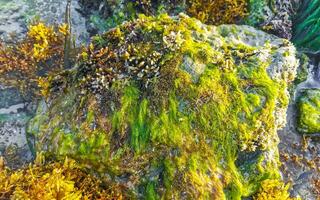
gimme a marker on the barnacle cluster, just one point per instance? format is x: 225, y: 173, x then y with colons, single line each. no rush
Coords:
x: 126, y: 57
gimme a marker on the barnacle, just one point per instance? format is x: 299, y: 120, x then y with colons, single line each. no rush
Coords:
x: 135, y: 60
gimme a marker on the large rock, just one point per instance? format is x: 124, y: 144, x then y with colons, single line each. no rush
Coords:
x: 170, y: 107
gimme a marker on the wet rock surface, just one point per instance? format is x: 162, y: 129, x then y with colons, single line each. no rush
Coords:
x: 16, y: 14
x: 300, y: 153
x: 11, y: 18
x: 15, y: 112
x: 14, y: 116
x: 300, y: 158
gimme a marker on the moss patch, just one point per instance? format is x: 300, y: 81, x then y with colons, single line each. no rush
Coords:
x: 309, y: 111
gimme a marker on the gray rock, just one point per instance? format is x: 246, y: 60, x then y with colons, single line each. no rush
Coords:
x: 14, y: 116
x: 16, y: 14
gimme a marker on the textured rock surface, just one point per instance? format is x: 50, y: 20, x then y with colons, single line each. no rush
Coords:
x: 17, y: 13
x: 274, y: 16
x: 300, y: 157
x: 13, y: 120
x: 163, y: 126
x: 11, y: 18
x: 14, y: 17
x: 300, y: 152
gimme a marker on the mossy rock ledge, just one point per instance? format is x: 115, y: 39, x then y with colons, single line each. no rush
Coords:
x: 171, y: 108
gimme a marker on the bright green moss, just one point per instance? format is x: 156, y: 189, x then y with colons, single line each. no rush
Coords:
x: 309, y: 111
x: 174, y: 128
x: 151, y: 193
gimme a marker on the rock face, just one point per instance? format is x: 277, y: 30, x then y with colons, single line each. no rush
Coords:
x: 299, y: 152
x: 17, y: 13
x: 172, y: 108
x: 13, y: 120
x: 11, y: 20
x: 299, y: 155
x: 274, y: 16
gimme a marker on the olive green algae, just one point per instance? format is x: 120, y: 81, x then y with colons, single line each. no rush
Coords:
x: 172, y: 108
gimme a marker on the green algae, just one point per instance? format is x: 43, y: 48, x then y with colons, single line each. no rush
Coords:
x: 307, y: 26
x: 309, y: 111
x: 257, y: 12
x: 302, y: 71
x: 168, y: 134
x: 106, y: 16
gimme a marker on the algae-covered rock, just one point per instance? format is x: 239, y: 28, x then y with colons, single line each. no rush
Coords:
x: 172, y: 108
x: 309, y: 111
x: 273, y: 16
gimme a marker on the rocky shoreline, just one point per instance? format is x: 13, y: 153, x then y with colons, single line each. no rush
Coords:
x: 299, y: 153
